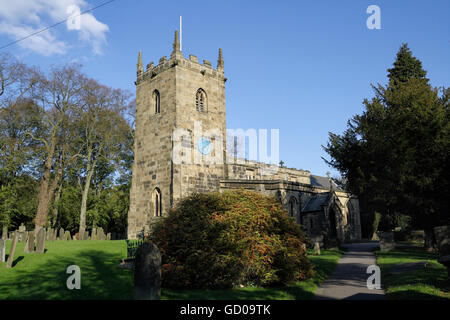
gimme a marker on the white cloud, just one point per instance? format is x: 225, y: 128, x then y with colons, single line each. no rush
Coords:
x: 43, y: 43
x: 20, y: 18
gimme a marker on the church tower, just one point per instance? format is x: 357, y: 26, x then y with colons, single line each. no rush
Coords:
x: 180, y: 137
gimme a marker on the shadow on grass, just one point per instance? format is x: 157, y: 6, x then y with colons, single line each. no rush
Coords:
x: 429, y: 282
x: 324, y: 265
x: 46, y: 279
x: 17, y: 260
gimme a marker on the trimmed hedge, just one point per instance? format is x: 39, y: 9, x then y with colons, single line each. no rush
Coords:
x: 221, y: 240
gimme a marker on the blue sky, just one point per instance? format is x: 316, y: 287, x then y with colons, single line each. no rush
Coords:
x: 303, y: 67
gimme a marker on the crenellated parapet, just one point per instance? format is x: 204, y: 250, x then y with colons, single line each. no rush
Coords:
x: 177, y: 60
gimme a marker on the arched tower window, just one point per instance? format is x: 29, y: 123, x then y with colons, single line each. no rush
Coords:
x: 156, y: 199
x: 156, y: 101
x: 201, y: 103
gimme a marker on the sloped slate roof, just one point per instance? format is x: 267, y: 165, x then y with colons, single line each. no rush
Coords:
x: 316, y: 202
x: 319, y: 181
x: 323, y: 182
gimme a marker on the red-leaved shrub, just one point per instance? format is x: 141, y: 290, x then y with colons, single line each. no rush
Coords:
x: 219, y: 240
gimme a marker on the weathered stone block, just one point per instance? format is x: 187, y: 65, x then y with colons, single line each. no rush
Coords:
x: 387, y: 242
x: 147, y: 272
x: 13, y: 250
x: 40, y: 241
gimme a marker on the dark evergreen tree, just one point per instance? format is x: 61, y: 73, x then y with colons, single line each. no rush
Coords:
x: 395, y: 155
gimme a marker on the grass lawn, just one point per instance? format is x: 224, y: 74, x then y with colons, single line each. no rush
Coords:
x: 43, y: 276
x: 425, y: 283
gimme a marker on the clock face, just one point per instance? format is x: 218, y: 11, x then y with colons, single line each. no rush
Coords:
x: 204, y: 146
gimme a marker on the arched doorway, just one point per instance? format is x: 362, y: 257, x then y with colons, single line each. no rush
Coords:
x: 332, y: 221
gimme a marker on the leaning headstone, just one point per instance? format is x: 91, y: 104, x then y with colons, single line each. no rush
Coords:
x: 317, y: 248
x: 108, y: 236
x: 29, y: 246
x: 2, y: 250
x: 387, y: 242
x: 13, y: 250
x: 40, y: 241
x: 147, y: 272
x: 86, y: 235
x: 442, y: 235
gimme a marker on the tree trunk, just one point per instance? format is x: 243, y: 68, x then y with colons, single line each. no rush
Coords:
x: 40, y: 219
x: 55, y: 208
x: 90, y: 172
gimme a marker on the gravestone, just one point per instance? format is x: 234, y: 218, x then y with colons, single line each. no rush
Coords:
x: 317, y: 248
x: 147, y: 272
x: 40, y: 241
x: 94, y: 234
x: 29, y: 246
x: 101, y: 234
x: 86, y: 235
x: 108, y: 236
x: 61, y: 234
x: 2, y: 250
x: 417, y: 236
x: 13, y: 250
x: 5, y: 233
x: 442, y: 235
x: 22, y: 233
x: 67, y: 235
x: 387, y: 242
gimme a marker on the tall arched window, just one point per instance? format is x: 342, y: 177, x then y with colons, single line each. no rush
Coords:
x: 157, y: 207
x: 201, y: 103
x: 156, y: 101
x: 293, y: 207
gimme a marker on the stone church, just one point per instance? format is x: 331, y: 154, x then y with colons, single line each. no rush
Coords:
x: 174, y: 96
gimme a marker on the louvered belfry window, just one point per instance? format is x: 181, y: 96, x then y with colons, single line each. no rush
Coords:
x: 200, y: 100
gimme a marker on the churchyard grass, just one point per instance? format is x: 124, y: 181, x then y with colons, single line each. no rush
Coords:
x: 43, y: 276
x: 425, y: 283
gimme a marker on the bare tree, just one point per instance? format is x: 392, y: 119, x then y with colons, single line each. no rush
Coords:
x: 104, y: 132
x: 58, y: 96
x: 16, y: 80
